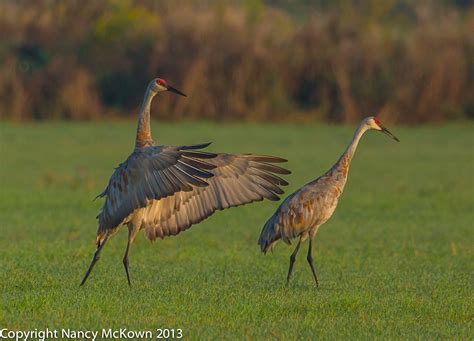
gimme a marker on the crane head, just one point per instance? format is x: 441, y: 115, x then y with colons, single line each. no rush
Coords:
x: 159, y: 85
x: 374, y: 123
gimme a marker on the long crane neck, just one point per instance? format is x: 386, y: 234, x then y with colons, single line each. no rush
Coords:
x: 342, y: 165
x: 144, y: 138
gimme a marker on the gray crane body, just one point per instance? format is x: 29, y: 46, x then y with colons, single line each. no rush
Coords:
x: 164, y: 190
x: 303, y: 212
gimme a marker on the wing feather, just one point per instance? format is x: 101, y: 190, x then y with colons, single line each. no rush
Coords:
x: 237, y: 180
x: 181, y: 186
x: 153, y: 174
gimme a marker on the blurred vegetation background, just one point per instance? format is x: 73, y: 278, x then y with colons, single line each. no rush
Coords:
x: 257, y: 60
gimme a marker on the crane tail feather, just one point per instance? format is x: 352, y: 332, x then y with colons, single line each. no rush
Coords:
x: 270, y: 235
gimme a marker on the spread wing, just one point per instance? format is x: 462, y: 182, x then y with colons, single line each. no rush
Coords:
x: 153, y: 174
x: 237, y: 180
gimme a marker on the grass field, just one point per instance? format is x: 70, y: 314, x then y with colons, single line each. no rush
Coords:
x: 395, y: 261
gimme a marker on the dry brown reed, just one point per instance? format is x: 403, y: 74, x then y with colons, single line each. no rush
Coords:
x: 237, y: 61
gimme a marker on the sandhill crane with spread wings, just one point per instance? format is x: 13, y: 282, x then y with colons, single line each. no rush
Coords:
x: 303, y: 212
x: 164, y: 190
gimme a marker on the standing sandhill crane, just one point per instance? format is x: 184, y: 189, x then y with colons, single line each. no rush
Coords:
x: 164, y: 190
x: 303, y: 212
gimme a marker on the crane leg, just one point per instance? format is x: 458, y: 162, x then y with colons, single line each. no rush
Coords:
x: 125, y: 257
x: 94, y: 260
x: 292, y: 262
x: 310, y: 261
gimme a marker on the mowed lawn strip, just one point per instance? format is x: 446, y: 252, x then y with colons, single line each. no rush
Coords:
x: 395, y: 260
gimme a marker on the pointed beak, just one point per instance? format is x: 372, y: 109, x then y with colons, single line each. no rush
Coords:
x: 176, y: 91
x: 387, y: 132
